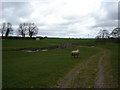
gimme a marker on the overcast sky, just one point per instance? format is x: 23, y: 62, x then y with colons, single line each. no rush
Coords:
x: 63, y: 18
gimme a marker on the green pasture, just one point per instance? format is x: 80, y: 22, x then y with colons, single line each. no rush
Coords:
x: 16, y: 44
x: 43, y: 69
x: 111, y: 63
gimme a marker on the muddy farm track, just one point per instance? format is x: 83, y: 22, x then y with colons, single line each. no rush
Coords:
x: 100, y: 75
x: 67, y: 80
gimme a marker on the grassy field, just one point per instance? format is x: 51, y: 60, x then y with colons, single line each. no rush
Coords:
x: 111, y: 63
x: 44, y: 69
x: 86, y: 77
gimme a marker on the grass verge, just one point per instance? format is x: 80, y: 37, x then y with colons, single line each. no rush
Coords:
x: 86, y: 77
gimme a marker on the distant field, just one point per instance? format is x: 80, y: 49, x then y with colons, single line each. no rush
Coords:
x: 16, y: 44
x: 44, y: 68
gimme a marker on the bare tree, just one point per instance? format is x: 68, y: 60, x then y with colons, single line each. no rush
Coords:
x: 27, y: 29
x: 116, y: 33
x: 2, y: 28
x: 9, y: 29
x: 6, y: 29
x: 22, y: 29
x: 103, y: 34
x: 32, y: 29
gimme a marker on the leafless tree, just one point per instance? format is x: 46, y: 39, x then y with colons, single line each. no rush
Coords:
x: 32, y: 29
x: 6, y: 29
x: 103, y: 34
x: 116, y: 33
x: 22, y: 29
x: 27, y: 29
x: 2, y: 28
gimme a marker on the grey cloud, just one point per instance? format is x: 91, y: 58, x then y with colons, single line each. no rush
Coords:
x: 112, y: 10
x: 40, y: 24
x: 108, y: 23
x: 74, y: 19
x: 13, y: 11
x: 111, y: 18
x: 118, y: 10
x: 13, y: 4
x: 57, y: 30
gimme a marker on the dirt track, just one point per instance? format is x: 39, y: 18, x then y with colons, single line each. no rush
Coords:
x: 68, y: 79
x: 100, y: 75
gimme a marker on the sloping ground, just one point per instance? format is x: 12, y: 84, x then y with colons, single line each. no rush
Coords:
x: 68, y: 79
x: 39, y: 69
x: 91, y: 73
x: 83, y: 75
x: 110, y: 73
x: 100, y: 75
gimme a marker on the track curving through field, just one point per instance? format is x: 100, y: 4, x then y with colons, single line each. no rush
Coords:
x: 68, y: 79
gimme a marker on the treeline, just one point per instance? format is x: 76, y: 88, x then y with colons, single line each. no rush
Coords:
x: 104, y: 34
x: 23, y: 29
x: 30, y: 29
x: 24, y: 38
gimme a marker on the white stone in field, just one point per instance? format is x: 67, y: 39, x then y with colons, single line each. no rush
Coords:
x: 44, y: 50
x: 37, y: 38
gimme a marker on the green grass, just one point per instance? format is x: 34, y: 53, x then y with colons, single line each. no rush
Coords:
x: 44, y: 69
x: 87, y: 73
x: 16, y: 44
x: 37, y: 69
x: 110, y: 63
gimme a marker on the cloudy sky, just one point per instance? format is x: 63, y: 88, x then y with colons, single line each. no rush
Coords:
x: 62, y: 18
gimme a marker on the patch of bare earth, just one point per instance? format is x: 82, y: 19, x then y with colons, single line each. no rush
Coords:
x: 60, y: 46
x: 100, y: 75
x: 69, y: 78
